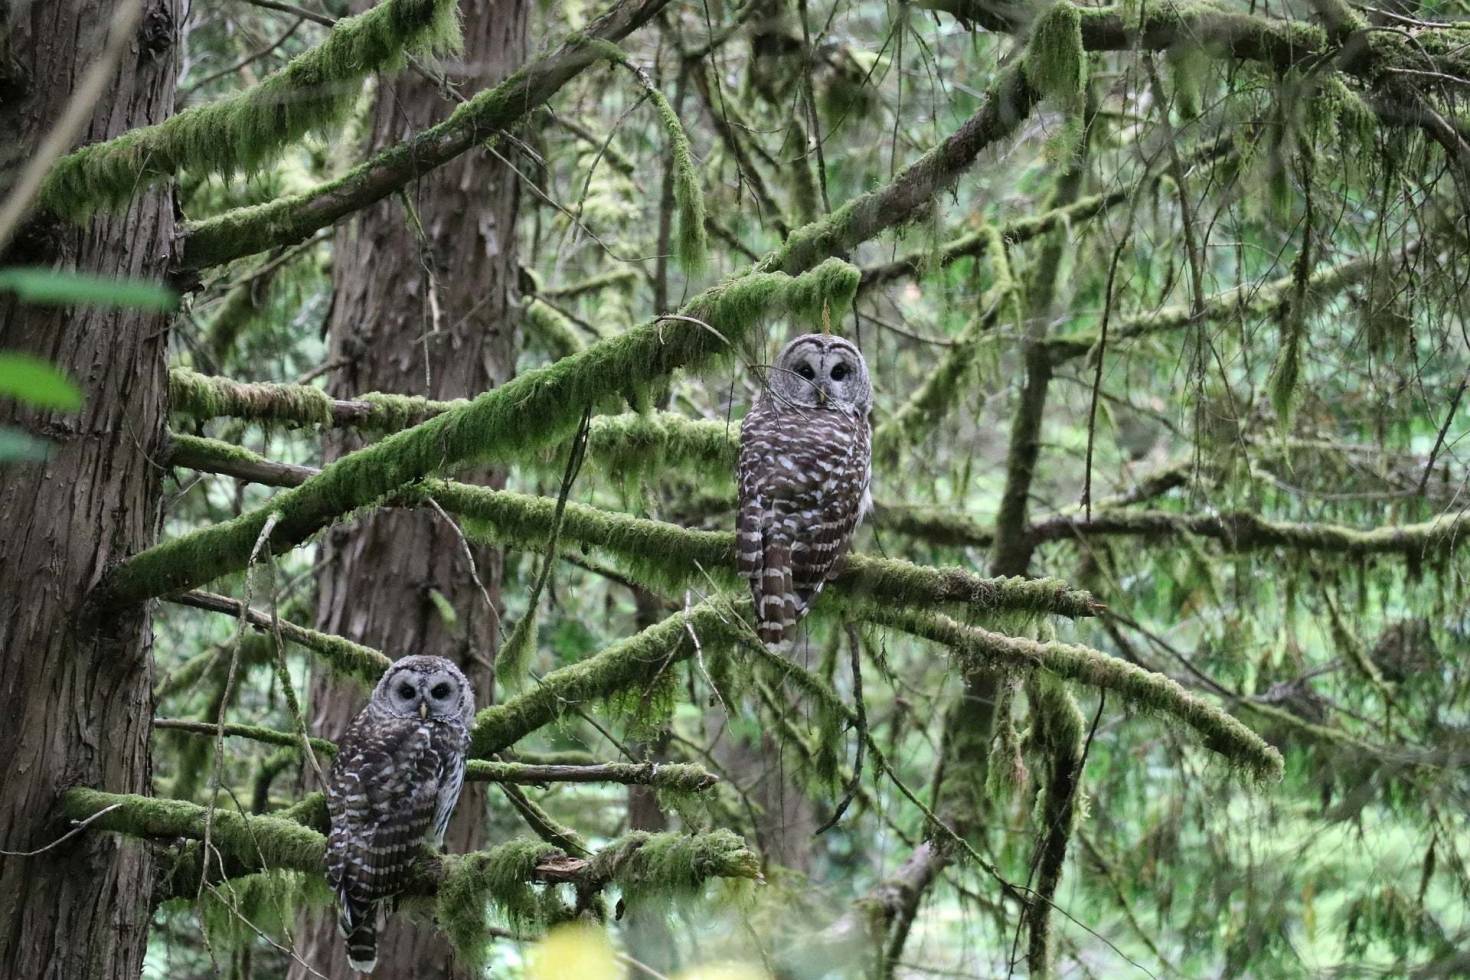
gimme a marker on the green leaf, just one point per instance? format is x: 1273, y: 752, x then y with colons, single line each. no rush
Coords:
x: 21, y: 447
x: 46, y: 287
x: 36, y: 382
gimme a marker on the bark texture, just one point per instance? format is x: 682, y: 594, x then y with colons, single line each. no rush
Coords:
x: 75, y: 690
x: 420, y: 313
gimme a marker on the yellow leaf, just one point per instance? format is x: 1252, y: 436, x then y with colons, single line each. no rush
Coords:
x: 573, y: 951
x: 724, y: 971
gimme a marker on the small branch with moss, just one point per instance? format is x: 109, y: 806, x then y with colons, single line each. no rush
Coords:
x: 678, y: 777
x: 638, y: 661
x: 341, y: 654
x: 1256, y: 299
x: 671, y: 558
x: 977, y: 244
x: 1245, y: 531
x: 978, y: 649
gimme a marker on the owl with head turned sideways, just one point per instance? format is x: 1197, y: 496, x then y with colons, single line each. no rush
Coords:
x: 392, y: 787
x: 803, y: 474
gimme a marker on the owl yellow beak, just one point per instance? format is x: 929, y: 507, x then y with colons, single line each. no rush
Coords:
x: 423, y: 709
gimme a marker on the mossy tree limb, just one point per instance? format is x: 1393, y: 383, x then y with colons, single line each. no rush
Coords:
x: 678, y: 777
x: 666, y: 556
x: 1059, y: 733
x: 251, y: 843
x: 339, y: 653
x: 1263, y: 300
x: 239, y: 134
x: 637, y: 661
x: 1020, y: 230
x: 981, y: 649
x: 1245, y: 531
x: 292, y: 219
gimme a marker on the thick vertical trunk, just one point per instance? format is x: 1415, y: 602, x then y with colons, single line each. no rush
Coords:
x: 75, y: 691
x: 426, y: 316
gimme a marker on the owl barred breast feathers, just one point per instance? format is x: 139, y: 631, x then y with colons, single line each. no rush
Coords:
x: 805, y: 465
x: 392, y: 787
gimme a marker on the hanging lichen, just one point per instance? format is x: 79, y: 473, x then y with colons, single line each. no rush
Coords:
x: 1056, y: 61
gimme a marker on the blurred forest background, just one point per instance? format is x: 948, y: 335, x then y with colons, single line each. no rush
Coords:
x: 1151, y: 660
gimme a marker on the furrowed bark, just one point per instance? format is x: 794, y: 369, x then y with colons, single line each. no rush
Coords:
x: 76, y: 688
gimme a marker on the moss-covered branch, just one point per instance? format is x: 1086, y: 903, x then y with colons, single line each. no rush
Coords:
x: 341, y: 654
x: 978, y: 648
x: 467, y: 884
x: 668, y: 557
x: 534, y: 410
x: 1244, y: 531
x: 1008, y: 101
x: 1247, y: 299
x: 239, y: 134
x: 211, y: 396
x: 291, y: 219
x: 228, y: 459
x: 679, y: 777
x: 637, y: 661
x: 1059, y: 733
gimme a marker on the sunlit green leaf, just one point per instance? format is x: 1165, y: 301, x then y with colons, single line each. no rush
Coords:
x: 36, y: 382
x: 47, y: 287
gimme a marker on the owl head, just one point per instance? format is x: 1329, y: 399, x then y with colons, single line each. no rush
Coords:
x: 429, y: 687
x: 821, y: 371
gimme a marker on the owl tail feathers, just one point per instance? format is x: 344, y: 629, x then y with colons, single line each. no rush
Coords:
x: 359, y: 927
x: 362, y: 947
x: 775, y: 603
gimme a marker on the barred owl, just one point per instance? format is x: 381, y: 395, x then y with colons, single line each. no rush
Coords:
x: 805, y: 463
x: 395, y: 781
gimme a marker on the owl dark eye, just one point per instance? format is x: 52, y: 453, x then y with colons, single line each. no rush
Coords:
x: 406, y: 691
x: 440, y: 691
x: 839, y: 371
x: 806, y: 372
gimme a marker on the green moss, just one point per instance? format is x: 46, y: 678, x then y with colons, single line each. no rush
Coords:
x: 670, y: 866
x: 977, y: 648
x: 207, y: 397
x: 236, y: 911
x: 241, y: 133
x: 1056, y: 62
x: 688, y: 195
x: 634, y: 662
x: 499, y: 878
x: 390, y: 413
x: 1059, y: 733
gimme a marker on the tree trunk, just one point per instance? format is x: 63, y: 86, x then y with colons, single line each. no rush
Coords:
x: 426, y: 316
x: 74, y: 690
